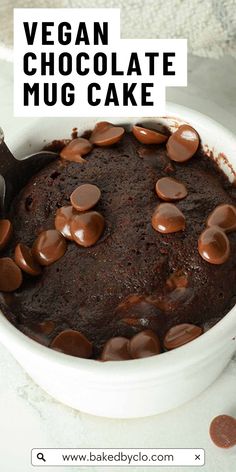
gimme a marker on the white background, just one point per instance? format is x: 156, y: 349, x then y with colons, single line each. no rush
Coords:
x: 29, y: 418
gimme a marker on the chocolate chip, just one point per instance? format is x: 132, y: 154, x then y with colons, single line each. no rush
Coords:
x: 181, y: 334
x: 182, y: 144
x: 170, y: 189
x: 63, y: 220
x: 26, y: 261
x: 10, y: 275
x: 148, y: 136
x: 105, y: 134
x: 213, y: 245
x: 87, y: 228
x: 85, y: 197
x: 75, y: 149
x: 144, y: 344
x: 223, y: 431
x: 116, y: 349
x: 49, y: 246
x: 223, y: 216
x: 73, y: 343
x: 167, y: 218
x: 5, y: 233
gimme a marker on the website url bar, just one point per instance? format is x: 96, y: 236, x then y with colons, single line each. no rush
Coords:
x: 118, y: 457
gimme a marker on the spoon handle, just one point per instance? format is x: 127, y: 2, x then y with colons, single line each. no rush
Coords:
x: 14, y: 173
x: 9, y: 174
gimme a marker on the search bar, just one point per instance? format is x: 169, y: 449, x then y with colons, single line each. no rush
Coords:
x: 117, y: 457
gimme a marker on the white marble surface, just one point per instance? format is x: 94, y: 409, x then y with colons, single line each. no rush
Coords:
x: 30, y: 418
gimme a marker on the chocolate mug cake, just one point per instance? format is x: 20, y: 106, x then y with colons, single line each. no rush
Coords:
x: 122, y: 247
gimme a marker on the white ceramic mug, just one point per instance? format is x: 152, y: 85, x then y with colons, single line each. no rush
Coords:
x: 139, y: 387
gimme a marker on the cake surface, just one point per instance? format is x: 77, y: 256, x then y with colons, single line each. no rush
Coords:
x: 133, y: 278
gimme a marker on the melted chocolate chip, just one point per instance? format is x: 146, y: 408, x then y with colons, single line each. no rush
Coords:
x: 223, y: 216
x: 26, y: 261
x: 177, y: 298
x: 213, y: 245
x: 46, y: 327
x: 170, y: 189
x: 182, y: 144
x: 10, y: 275
x: 49, y: 246
x: 144, y: 344
x: 177, y: 280
x: 40, y: 331
x: 105, y: 134
x: 85, y: 197
x: 63, y: 220
x: 148, y: 136
x: 167, y: 218
x: 75, y: 149
x: 141, y: 311
x: 73, y: 343
x: 174, y: 300
x: 181, y: 334
x: 87, y: 228
x: 116, y: 349
x: 5, y: 233
x: 223, y: 431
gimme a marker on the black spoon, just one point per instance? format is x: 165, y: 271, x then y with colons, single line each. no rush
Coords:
x: 15, y: 173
